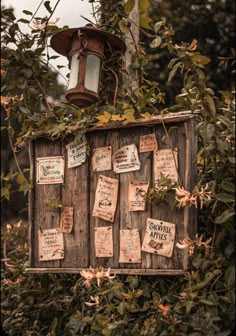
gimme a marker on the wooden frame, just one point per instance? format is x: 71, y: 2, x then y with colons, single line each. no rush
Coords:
x: 78, y: 191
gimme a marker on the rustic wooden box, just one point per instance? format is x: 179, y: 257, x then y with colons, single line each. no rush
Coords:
x: 79, y: 188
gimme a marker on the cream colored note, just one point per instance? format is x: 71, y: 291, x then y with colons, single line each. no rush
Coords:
x: 126, y: 159
x: 103, y: 241
x: 137, y: 195
x: 101, y: 159
x: 130, y: 249
x: 159, y: 237
x: 76, y: 153
x: 50, y: 170
x: 147, y: 143
x: 165, y: 162
x: 105, y: 198
x: 66, y: 219
x: 51, y: 244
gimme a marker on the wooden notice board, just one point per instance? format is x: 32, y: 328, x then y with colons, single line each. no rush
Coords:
x: 78, y: 189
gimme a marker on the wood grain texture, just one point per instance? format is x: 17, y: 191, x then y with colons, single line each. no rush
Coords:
x: 45, y: 217
x: 79, y: 189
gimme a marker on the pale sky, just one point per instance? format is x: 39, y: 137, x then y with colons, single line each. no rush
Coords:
x: 69, y: 12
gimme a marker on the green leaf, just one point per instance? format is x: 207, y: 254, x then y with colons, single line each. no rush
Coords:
x: 200, y: 59
x: 26, y: 12
x: 156, y: 42
x: 211, y: 104
x: 121, y: 308
x: 230, y: 276
x: 228, y: 186
x: 123, y: 27
x: 23, y: 20
x: 207, y: 302
x: 223, y: 197
x: 5, y: 193
x: 189, y: 305
x: 157, y: 26
x: 129, y: 6
x: 144, y: 21
x: 225, y: 216
x: 20, y: 179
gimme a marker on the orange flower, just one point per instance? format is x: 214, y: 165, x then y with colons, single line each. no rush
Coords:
x: 164, y: 309
x: 187, y: 47
x: 132, y: 294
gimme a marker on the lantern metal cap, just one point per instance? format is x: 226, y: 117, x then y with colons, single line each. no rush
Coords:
x: 61, y: 41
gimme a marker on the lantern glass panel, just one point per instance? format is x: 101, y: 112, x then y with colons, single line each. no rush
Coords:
x: 74, y: 70
x: 92, y: 73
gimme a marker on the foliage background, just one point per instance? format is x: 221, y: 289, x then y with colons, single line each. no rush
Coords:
x: 202, y: 302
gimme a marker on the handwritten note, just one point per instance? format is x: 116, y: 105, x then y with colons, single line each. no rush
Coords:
x: 137, y: 195
x: 126, y: 159
x: 51, y: 244
x: 147, y: 143
x: 66, y: 219
x: 105, y: 198
x: 165, y: 162
x: 101, y: 159
x: 159, y: 237
x: 50, y: 170
x: 76, y: 153
x: 103, y: 241
x: 130, y: 250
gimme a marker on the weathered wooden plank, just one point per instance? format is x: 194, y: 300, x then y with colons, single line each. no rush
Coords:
x: 154, y: 120
x: 46, y: 217
x: 74, y: 194
x: 134, y: 219
x: 141, y: 271
x: 102, y: 139
x: 168, y: 212
x: 31, y: 204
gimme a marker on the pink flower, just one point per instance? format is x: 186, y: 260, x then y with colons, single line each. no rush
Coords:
x: 41, y: 24
x: 95, y: 299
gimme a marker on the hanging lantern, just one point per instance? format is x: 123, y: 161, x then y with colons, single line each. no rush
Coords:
x: 84, y: 47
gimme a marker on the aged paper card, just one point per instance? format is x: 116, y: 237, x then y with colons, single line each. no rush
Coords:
x: 103, y: 241
x: 147, y: 143
x: 130, y: 249
x: 165, y: 162
x: 105, y: 198
x: 76, y: 153
x: 101, y: 159
x: 159, y: 237
x: 66, y: 219
x: 126, y: 159
x: 137, y: 195
x: 50, y: 170
x: 51, y: 244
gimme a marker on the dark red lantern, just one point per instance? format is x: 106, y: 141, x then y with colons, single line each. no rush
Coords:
x: 84, y: 47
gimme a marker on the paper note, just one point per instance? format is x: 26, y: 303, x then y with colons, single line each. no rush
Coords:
x: 51, y: 244
x: 126, y: 159
x: 76, y: 153
x: 105, y: 198
x: 50, y: 170
x: 147, y: 143
x: 137, y: 195
x: 103, y: 241
x: 159, y: 237
x: 101, y: 159
x: 66, y: 219
x: 130, y: 249
x: 165, y: 162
